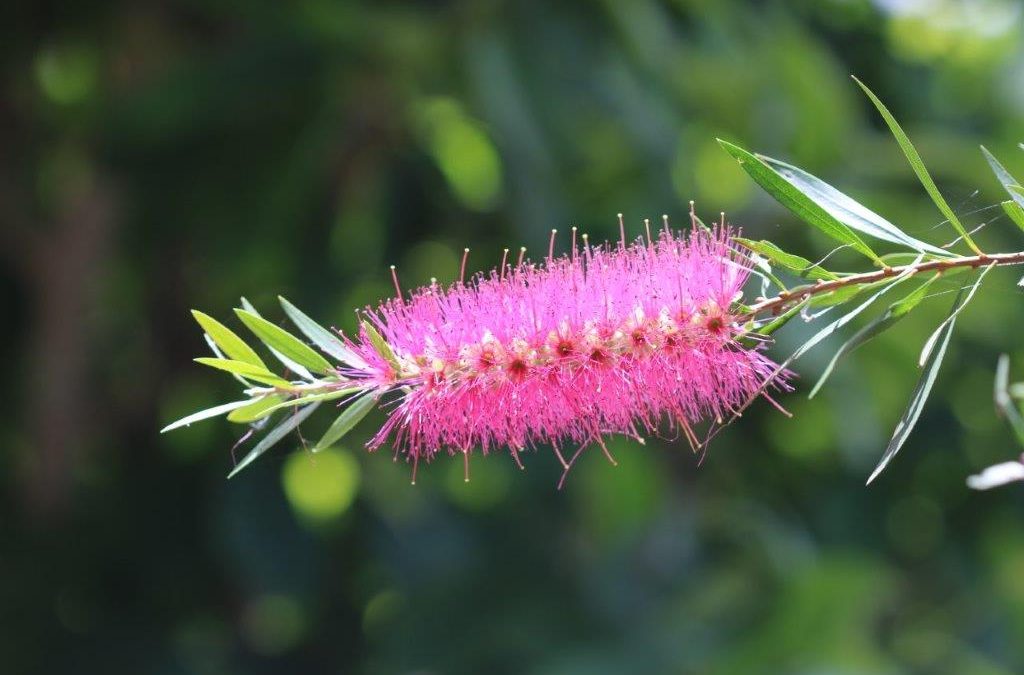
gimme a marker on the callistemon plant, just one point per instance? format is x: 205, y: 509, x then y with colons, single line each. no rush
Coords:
x: 649, y: 336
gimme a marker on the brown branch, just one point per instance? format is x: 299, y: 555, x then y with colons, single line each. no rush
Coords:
x: 778, y: 303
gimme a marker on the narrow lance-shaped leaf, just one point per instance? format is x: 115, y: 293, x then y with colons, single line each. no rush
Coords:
x: 799, y: 265
x: 256, y: 410
x: 288, y: 363
x: 1004, y: 403
x: 227, y: 340
x: 1007, y: 181
x: 205, y: 414
x: 381, y: 346
x: 917, y: 164
x: 350, y: 417
x: 890, y: 317
x: 970, y: 295
x: 1015, y: 212
x: 320, y: 336
x: 246, y: 370
x: 309, y: 398
x: 924, y: 385
x: 832, y: 327
x: 274, y: 436
x: 796, y: 201
x: 847, y: 210
x: 220, y: 355
x: 284, y: 342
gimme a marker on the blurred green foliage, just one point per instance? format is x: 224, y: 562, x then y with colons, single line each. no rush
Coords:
x: 161, y: 156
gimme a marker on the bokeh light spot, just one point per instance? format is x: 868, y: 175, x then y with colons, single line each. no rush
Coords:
x: 617, y: 500
x: 425, y: 260
x: 717, y: 176
x: 323, y: 486
x: 380, y: 610
x: 464, y: 153
x: 274, y: 623
x: 488, y: 480
x: 67, y: 74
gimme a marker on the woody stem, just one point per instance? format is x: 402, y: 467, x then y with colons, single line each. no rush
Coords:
x: 776, y: 304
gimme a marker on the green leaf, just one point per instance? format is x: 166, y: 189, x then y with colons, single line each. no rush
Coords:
x: 1015, y: 212
x: 288, y: 363
x: 225, y: 338
x: 1004, y: 403
x: 970, y: 295
x: 919, y: 168
x: 309, y: 398
x: 284, y: 342
x: 351, y: 416
x: 256, y: 410
x: 381, y: 346
x: 1008, y: 181
x: 274, y: 436
x: 890, y: 317
x: 832, y: 327
x: 795, y: 200
x: 320, y: 336
x: 797, y: 264
x: 204, y: 414
x: 246, y: 370
x: 921, y: 391
x: 848, y: 211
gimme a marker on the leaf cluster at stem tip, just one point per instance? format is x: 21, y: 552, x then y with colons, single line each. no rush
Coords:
x: 309, y: 378
x: 851, y: 224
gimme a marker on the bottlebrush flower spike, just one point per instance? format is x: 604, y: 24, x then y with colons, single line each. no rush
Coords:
x: 606, y: 340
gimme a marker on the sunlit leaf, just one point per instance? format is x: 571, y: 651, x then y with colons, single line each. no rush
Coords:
x: 847, y: 210
x: 381, y: 346
x: 892, y: 314
x: 246, y: 370
x: 919, y: 168
x: 350, y: 417
x: 930, y: 343
x: 284, y: 342
x: 274, y: 436
x: 1007, y: 181
x: 832, y: 327
x: 320, y: 336
x: 205, y: 414
x: 800, y: 266
x: 922, y: 389
x: 256, y: 410
x: 227, y: 340
x: 309, y: 398
x: 1015, y: 212
x: 796, y: 201
x: 287, y: 362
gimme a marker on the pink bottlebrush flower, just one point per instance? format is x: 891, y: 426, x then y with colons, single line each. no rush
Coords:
x: 607, y: 340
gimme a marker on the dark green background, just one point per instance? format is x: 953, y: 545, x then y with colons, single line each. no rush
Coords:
x: 159, y: 156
